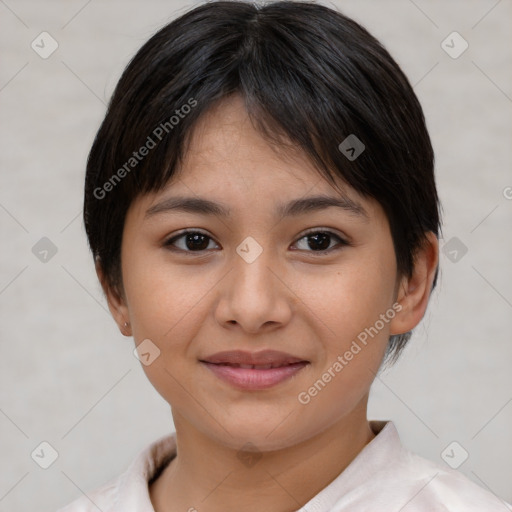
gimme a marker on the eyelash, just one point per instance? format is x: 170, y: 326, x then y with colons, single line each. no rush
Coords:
x: 342, y: 242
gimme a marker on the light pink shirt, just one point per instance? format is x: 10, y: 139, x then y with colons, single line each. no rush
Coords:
x: 384, y: 477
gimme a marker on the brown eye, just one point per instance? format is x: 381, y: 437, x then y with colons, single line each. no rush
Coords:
x: 320, y: 241
x: 190, y: 241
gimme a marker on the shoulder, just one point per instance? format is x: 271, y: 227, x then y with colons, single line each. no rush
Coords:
x: 388, y: 477
x: 430, y: 487
x: 129, y: 492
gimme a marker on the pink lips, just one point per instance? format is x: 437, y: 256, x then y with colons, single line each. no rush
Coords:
x: 253, y: 371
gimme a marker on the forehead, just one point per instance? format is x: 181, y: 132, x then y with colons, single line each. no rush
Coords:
x: 226, y: 140
x: 227, y: 153
x: 228, y: 161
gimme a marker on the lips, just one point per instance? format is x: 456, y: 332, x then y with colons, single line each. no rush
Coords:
x: 263, y: 360
x: 255, y: 366
x: 254, y: 371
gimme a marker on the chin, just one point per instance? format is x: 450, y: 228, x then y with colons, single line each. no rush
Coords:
x: 258, y: 432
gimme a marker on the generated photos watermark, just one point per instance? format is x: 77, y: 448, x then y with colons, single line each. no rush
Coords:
x: 152, y: 141
x: 304, y: 397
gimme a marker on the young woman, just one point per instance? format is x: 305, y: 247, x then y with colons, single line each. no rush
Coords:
x: 261, y: 205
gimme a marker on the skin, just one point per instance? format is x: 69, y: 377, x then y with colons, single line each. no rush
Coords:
x: 292, y: 298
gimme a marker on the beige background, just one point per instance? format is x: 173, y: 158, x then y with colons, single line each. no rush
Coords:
x: 67, y: 375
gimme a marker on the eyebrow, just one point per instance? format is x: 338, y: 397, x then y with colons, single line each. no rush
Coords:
x: 295, y: 207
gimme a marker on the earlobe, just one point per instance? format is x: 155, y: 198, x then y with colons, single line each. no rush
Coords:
x: 116, y: 302
x: 414, y: 292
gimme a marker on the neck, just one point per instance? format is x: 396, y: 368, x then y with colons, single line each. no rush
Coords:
x: 211, y: 477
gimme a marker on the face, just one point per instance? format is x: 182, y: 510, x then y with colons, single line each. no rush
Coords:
x: 309, y: 283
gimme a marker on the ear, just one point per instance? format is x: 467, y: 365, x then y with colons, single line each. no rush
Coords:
x: 414, y: 292
x: 116, y: 302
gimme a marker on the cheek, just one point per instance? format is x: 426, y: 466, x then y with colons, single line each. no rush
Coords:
x: 354, y: 340
x: 161, y: 295
x: 164, y: 303
x: 351, y: 299
x: 356, y: 313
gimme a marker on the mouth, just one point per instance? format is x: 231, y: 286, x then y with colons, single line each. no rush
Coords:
x: 270, y: 358
x: 255, y: 366
x: 254, y: 371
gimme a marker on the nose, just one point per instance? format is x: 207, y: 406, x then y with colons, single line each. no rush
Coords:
x: 255, y: 296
